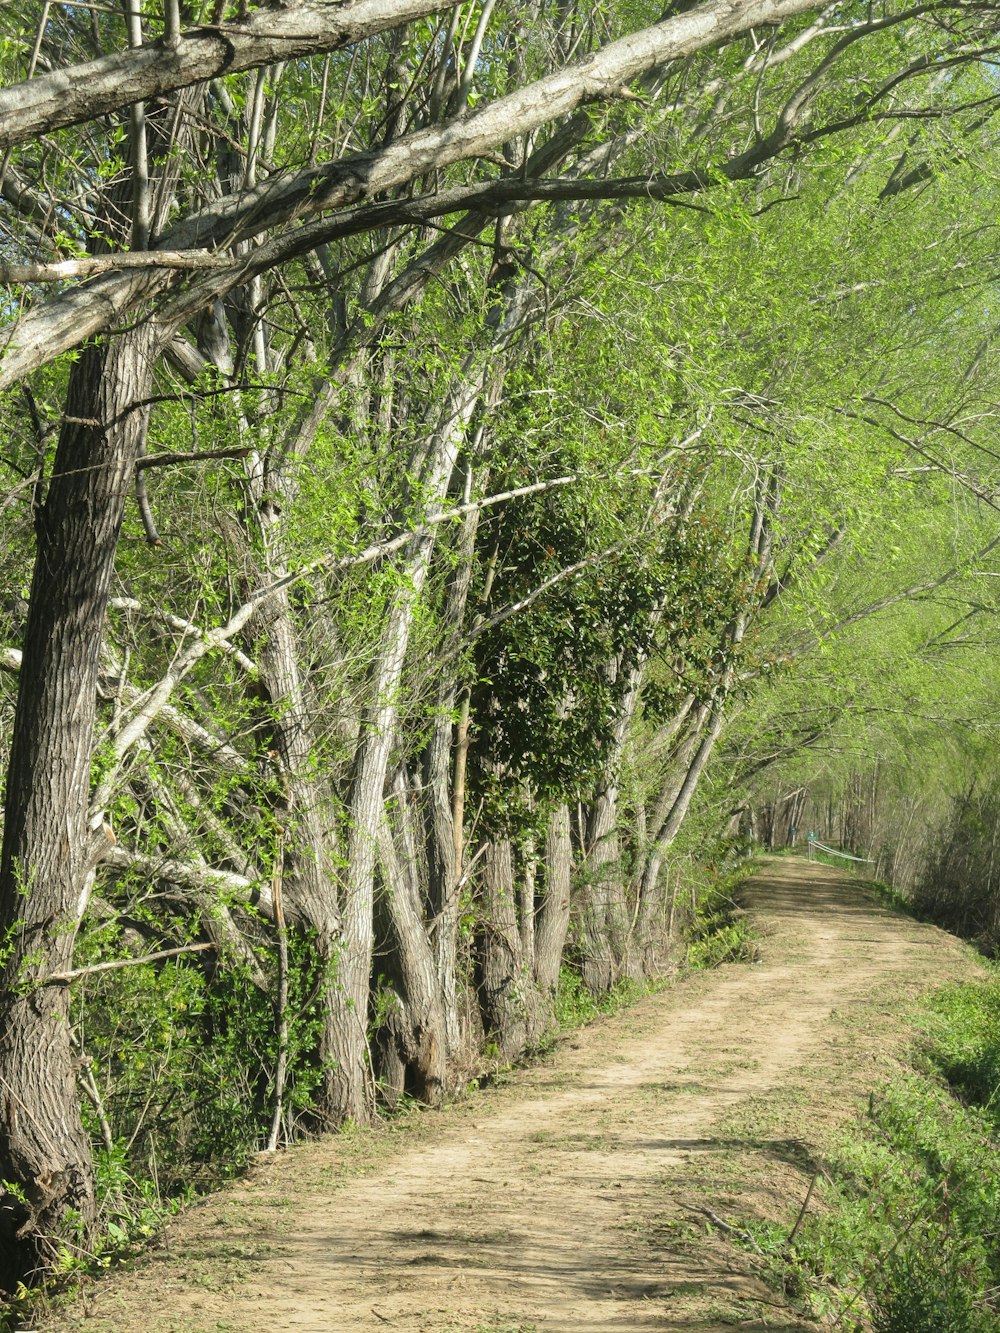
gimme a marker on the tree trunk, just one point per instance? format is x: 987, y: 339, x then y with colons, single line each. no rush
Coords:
x: 445, y: 834
x: 48, y: 849
x: 606, y: 921
x: 698, y: 747
x: 500, y: 975
x: 419, y: 1030
x: 349, y: 992
x: 529, y: 874
x: 443, y: 872
x: 657, y: 847
x: 553, y: 913
x: 311, y: 888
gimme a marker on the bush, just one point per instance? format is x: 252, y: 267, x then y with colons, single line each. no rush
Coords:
x: 181, y: 1060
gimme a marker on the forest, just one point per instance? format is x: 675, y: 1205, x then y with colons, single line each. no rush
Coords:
x: 469, y: 473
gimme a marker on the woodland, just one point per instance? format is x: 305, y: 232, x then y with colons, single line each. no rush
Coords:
x: 468, y: 473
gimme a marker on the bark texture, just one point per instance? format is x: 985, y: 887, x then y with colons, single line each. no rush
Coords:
x: 499, y: 966
x: 553, y: 913
x: 48, y: 849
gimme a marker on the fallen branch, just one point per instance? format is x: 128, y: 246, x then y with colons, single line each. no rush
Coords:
x: 203, y: 877
x: 802, y: 1211
x: 727, y: 1227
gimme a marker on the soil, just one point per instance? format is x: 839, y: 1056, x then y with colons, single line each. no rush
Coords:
x: 604, y: 1188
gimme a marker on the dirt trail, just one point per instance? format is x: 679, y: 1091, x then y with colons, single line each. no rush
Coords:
x: 577, y: 1199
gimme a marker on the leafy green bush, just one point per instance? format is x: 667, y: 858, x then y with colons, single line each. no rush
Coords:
x: 575, y: 1005
x: 723, y: 941
x: 181, y: 1060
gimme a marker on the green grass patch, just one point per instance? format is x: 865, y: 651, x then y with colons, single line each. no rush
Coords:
x: 909, y: 1238
x: 963, y: 1042
x: 891, y: 898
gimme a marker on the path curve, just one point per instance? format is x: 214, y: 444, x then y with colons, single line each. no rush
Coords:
x: 579, y: 1199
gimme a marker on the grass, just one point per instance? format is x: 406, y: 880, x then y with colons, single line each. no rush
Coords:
x: 907, y: 1238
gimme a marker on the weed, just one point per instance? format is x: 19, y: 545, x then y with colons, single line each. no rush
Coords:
x: 575, y: 1005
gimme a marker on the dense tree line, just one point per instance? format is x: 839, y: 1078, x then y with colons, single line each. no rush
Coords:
x: 454, y: 459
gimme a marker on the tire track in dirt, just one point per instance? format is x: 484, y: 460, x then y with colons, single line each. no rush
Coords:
x: 572, y: 1202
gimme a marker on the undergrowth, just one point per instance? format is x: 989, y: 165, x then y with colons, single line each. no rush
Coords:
x: 719, y: 931
x: 575, y: 1005
x: 909, y: 1238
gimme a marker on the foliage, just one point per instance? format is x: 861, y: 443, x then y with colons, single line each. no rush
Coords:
x: 183, y: 1058
x: 964, y: 1043
x: 575, y: 1005
x: 749, y: 428
x: 959, y: 884
x: 551, y: 682
x: 719, y: 930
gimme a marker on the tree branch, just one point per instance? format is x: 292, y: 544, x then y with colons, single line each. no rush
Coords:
x: 89, y: 266
x: 195, y: 456
x: 276, y: 32
x: 202, y: 877
x: 43, y: 333
x: 64, y: 978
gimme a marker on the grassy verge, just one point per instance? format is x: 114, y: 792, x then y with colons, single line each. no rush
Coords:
x: 908, y: 1240
x: 719, y: 931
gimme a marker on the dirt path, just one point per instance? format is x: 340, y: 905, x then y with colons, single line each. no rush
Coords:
x: 573, y: 1200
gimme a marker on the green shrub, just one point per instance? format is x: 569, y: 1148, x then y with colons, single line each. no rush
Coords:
x: 576, y: 1005
x: 182, y: 1057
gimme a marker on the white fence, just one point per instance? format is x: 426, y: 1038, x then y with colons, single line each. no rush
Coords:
x: 816, y: 846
